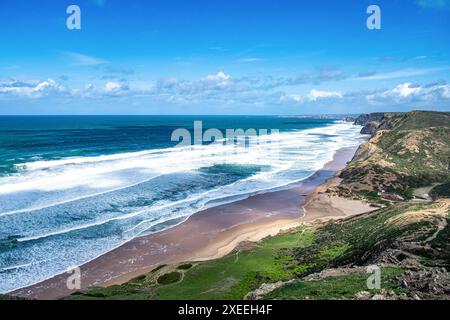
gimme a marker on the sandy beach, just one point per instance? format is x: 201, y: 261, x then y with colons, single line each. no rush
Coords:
x: 214, y: 232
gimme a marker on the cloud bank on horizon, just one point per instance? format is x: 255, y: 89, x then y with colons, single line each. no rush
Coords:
x: 256, y: 57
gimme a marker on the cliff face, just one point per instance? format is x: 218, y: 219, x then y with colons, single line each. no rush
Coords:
x: 373, y: 122
x: 406, y: 151
x: 409, y: 242
x: 364, y: 119
x: 371, y: 127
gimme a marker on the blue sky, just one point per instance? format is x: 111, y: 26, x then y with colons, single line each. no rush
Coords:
x: 223, y: 57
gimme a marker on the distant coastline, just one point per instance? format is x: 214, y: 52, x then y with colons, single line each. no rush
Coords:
x: 347, y: 118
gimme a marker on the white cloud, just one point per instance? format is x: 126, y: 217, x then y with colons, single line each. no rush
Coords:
x: 399, y: 74
x: 116, y: 88
x: 249, y: 60
x: 291, y: 98
x: 84, y: 60
x: 33, y: 89
x: 220, y: 78
x: 405, y: 90
x: 221, y: 89
x: 315, y: 95
x: 211, y: 87
x: 407, y: 93
x: 446, y: 92
x: 90, y: 87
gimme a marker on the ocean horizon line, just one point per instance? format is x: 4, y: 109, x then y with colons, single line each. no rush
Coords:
x: 178, y: 115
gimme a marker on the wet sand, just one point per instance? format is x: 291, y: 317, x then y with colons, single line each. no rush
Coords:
x: 208, y: 234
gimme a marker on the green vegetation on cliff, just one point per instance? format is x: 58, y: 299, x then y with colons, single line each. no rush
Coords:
x: 337, y: 287
x: 390, y: 234
x: 408, y: 151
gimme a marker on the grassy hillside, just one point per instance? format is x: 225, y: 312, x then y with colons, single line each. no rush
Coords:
x: 231, y: 277
x: 344, y: 287
x: 409, y: 232
x: 418, y: 120
x: 408, y: 151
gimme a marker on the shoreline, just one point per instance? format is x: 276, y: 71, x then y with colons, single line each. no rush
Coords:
x: 213, y: 233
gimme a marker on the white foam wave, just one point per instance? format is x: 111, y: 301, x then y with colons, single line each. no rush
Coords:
x: 46, y: 184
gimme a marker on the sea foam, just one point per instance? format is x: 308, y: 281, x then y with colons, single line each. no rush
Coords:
x: 60, y: 213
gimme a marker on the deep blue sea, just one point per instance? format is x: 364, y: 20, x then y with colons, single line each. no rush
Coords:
x: 73, y: 188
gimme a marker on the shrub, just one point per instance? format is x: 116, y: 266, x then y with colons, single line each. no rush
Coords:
x: 158, y: 268
x: 441, y: 191
x: 169, y: 278
x: 138, y: 278
x: 186, y: 266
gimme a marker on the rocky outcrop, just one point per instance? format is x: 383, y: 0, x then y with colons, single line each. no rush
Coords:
x: 265, y: 289
x: 406, y: 151
x: 371, y: 128
x: 382, y: 295
x: 430, y: 283
x: 335, y: 272
x: 372, y: 122
x: 365, y: 119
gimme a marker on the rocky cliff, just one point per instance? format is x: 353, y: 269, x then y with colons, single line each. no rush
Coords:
x: 406, y: 151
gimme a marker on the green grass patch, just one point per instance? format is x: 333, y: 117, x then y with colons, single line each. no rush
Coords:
x: 333, y: 252
x: 233, y: 276
x: 306, y: 250
x: 128, y: 291
x: 10, y: 298
x: 342, y: 287
x: 423, y: 119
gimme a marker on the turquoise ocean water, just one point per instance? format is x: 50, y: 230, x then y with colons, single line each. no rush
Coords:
x: 73, y: 188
